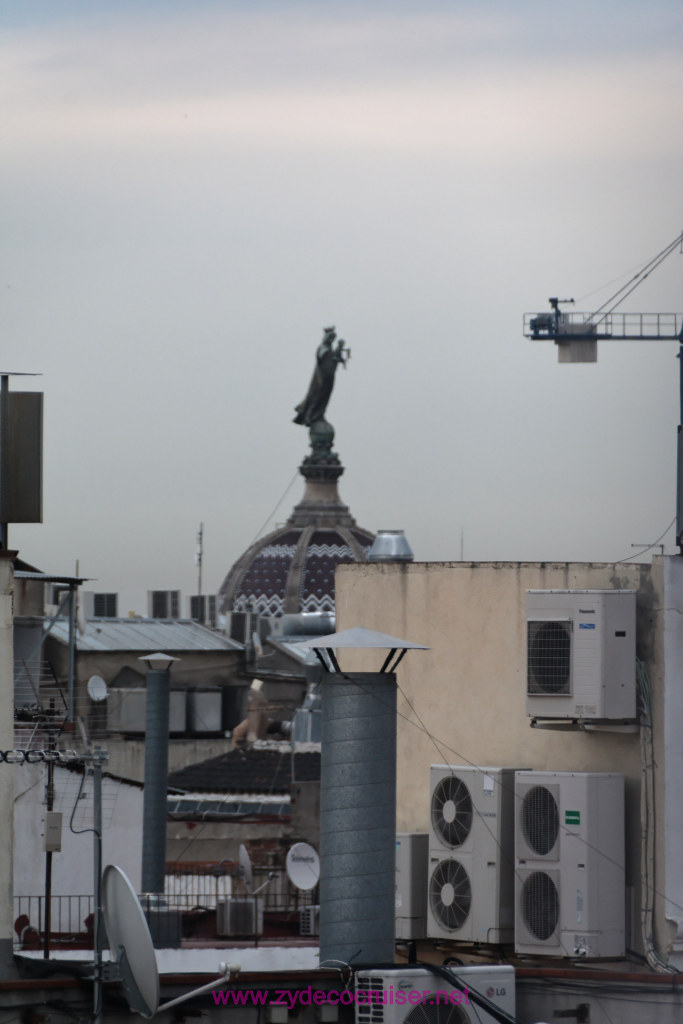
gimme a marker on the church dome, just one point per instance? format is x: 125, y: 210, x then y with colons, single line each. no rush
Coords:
x: 291, y: 570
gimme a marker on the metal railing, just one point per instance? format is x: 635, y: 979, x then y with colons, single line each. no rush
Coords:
x: 617, y: 326
x: 70, y: 916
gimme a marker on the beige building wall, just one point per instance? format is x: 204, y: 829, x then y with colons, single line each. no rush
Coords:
x: 464, y: 700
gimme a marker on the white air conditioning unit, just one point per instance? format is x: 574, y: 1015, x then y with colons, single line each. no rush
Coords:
x: 570, y: 891
x: 581, y: 654
x: 239, y: 917
x: 414, y: 995
x: 412, y: 857
x: 471, y: 859
x: 309, y: 920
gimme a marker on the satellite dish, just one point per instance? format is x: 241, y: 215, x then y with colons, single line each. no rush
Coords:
x: 245, y: 865
x: 303, y: 866
x: 97, y: 689
x: 130, y: 941
x: 133, y: 951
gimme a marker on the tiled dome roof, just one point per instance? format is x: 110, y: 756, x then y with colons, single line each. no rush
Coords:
x: 291, y: 570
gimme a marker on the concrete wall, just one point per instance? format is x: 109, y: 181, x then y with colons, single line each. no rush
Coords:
x: 667, y: 682
x: 72, y: 869
x: 464, y: 700
x: 6, y: 771
x: 127, y: 756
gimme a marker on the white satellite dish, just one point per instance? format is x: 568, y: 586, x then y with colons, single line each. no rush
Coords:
x: 303, y: 866
x: 245, y: 865
x: 97, y: 688
x: 133, y: 951
x: 130, y: 941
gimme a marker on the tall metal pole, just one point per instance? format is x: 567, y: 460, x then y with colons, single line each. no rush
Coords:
x: 49, y: 805
x: 679, y: 475
x: 200, y: 556
x: 98, y: 755
x: 156, y: 781
x: 4, y: 419
x: 72, y: 648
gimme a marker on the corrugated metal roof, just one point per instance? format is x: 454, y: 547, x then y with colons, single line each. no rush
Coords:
x: 46, y: 577
x: 146, y: 635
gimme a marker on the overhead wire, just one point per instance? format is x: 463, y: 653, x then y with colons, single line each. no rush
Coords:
x: 649, y: 546
x: 438, y: 743
x: 637, y: 279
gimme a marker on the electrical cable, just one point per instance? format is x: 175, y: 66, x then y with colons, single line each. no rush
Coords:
x: 422, y: 728
x: 650, y: 546
x: 279, y: 502
x: 637, y: 279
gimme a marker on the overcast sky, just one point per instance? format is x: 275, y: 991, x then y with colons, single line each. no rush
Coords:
x: 191, y: 191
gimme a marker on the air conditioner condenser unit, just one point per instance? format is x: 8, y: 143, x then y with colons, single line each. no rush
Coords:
x: 471, y: 858
x: 405, y: 995
x: 581, y: 654
x: 239, y: 917
x: 570, y: 895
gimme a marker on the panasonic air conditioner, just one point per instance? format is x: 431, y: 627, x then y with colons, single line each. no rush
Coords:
x: 405, y: 995
x: 581, y: 654
x: 471, y: 859
x: 239, y: 917
x: 570, y: 891
x: 412, y: 855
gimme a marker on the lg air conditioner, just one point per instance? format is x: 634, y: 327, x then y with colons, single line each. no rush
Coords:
x: 405, y: 995
x: 581, y: 654
x: 471, y: 858
x: 569, y: 879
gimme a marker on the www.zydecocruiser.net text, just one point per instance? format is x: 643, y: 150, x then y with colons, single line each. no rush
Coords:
x: 346, y: 997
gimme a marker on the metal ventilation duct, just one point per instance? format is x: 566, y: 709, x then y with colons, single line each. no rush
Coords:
x: 390, y: 546
x: 358, y: 818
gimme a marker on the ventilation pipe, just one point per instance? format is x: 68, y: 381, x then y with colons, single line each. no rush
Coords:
x: 154, y: 813
x: 390, y: 546
x: 358, y: 818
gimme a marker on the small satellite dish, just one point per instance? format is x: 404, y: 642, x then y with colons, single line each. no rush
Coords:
x: 245, y: 865
x: 303, y: 866
x: 130, y: 941
x: 97, y: 689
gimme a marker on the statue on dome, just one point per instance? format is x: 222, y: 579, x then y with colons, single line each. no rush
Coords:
x: 327, y: 358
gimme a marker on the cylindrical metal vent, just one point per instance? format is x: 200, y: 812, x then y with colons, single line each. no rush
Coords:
x: 390, y: 546
x: 154, y: 812
x: 358, y: 818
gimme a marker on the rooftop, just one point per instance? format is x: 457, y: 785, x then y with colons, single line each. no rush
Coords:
x: 142, y: 634
x: 248, y: 770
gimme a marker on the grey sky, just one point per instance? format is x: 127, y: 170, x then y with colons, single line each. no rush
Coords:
x: 193, y: 190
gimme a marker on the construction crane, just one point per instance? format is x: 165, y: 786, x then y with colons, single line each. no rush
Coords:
x: 577, y: 334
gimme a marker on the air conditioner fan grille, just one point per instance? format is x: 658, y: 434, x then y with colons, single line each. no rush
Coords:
x: 548, y: 658
x: 540, y: 820
x: 540, y: 905
x: 450, y: 894
x: 451, y: 810
x: 436, y: 1012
